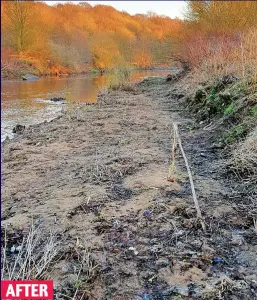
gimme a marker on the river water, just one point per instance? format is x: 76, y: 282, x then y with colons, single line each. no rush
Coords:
x: 28, y: 102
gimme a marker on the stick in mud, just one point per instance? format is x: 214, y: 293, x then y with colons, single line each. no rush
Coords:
x: 173, y: 155
x: 197, y: 207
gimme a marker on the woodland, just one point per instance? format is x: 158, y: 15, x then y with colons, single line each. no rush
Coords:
x: 69, y: 38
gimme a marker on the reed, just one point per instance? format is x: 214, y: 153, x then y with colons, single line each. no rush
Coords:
x: 120, y: 78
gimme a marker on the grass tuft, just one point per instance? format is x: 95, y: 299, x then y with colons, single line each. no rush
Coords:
x: 32, y: 258
x: 121, y: 79
x: 244, y: 157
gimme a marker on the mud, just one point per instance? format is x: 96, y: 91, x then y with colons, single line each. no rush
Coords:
x: 98, y: 177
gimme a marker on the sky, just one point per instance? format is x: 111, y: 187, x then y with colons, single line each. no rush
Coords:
x: 172, y: 9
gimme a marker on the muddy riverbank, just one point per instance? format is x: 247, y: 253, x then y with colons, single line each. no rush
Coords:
x: 28, y: 102
x: 97, y: 178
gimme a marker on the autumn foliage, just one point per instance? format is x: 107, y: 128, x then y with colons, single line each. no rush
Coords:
x: 215, y: 36
x: 220, y: 37
x: 74, y: 38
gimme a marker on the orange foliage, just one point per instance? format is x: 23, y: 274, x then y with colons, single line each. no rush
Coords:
x: 220, y: 37
x: 69, y: 37
x: 74, y: 38
x: 142, y: 59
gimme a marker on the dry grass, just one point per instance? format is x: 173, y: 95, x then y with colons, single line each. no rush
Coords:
x: 244, y: 158
x: 102, y: 173
x: 126, y: 87
x: 218, y: 56
x: 35, y: 254
x: 32, y: 258
x: 87, y: 271
x: 120, y: 79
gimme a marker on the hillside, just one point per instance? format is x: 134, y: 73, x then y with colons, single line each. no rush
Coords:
x: 70, y: 38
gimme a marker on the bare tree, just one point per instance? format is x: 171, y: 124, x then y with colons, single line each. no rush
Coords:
x: 19, y: 15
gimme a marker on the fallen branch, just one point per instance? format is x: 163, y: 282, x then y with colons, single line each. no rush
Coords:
x: 197, y: 207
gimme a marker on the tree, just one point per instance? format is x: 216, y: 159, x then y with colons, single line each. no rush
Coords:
x: 69, y: 37
x: 105, y: 52
x: 19, y: 17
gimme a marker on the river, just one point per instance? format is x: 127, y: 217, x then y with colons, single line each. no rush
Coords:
x: 28, y: 102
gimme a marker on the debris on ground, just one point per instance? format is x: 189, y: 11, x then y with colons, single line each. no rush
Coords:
x: 98, y: 177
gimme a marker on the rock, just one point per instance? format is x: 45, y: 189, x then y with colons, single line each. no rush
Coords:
x: 178, y: 74
x: 223, y: 81
x: 66, y: 269
x: 228, y: 79
x: 147, y: 274
x: 18, y: 129
x: 189, y: 223
x: 252, y: 277
x: 134, y: 250
x: 169, y: 77
x: 225, y: 96
x: 203, y: 154
x: 179, y: 289
x: 18, y: 248
x: 237, y: 240
x: 253, y: 285
x: 179, y: 96
x: 30, y: 77
x: 240, y: 273
x: 199, y: 95
x: 162, y: 262
x: 57, y: 99
x: 217, y: 146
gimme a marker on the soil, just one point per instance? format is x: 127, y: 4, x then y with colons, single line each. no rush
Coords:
x: 98, y: 177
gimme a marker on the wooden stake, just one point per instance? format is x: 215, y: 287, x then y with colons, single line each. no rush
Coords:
x: 197, y: 207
